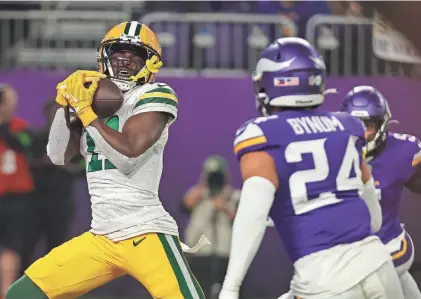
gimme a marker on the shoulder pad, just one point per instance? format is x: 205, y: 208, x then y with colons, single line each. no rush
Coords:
x: 156, y: 85
x: 158, y: 93
x: 411, y: 144
x: 250, y: 136
x: 404, y: 137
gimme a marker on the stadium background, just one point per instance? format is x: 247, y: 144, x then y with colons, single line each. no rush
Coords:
x: 209, y: 49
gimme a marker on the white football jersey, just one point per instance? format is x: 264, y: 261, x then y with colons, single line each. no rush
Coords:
x: 127, y: 204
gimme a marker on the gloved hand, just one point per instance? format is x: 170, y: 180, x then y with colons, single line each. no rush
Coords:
x: 88, y: 76
x: 80, y: 98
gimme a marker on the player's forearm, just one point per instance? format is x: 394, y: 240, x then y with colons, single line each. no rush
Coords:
x: 370, y: 198
x: 123, y: 162
x: 248, y: 230
x: 119, y: 141
x: 60, y: 148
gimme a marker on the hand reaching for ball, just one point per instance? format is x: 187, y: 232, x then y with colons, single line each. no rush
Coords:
x: 106, y: 100
x: 64, y: 86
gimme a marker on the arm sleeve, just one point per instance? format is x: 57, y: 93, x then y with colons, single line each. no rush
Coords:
x: 58, y: 138
x: 370, y: 198
x: 249, y: 227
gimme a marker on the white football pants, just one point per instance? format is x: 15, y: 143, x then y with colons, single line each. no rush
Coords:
x: 381, y: 284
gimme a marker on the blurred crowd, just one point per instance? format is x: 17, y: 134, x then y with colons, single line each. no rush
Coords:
x: 36, y: 197
x: 204, y: 45
x: 297, y: 10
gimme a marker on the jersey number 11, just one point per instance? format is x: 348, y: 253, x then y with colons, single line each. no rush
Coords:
x: 96, y: 164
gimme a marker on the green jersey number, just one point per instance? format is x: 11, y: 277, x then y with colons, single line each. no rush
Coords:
x: 97, y: 164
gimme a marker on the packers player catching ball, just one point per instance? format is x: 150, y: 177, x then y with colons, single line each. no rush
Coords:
x: 131, y: 232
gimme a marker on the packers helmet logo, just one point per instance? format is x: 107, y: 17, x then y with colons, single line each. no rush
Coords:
x: 131, y: 34
x: 135, y: 32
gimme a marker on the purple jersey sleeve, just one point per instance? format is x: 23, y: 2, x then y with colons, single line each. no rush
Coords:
x: 251, y: 137
x: 411, y: 151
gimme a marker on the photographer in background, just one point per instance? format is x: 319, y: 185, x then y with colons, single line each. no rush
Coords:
x: 16, y: 187
x: 212, y: 205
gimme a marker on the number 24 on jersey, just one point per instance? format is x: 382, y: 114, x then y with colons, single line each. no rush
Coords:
x: 298, y: 180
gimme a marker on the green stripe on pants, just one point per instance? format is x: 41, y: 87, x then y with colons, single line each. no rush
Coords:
x: 181, y: 272
x: 196, y: 283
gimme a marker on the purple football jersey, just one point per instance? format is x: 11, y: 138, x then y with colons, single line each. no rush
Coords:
x: 318, y: 158
x: 391, y: 169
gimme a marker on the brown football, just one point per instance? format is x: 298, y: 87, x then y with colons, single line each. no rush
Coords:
x: 108, y: 98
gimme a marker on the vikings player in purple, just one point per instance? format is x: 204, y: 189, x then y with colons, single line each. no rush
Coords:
x: 395, y: 162
x: 302, y: 166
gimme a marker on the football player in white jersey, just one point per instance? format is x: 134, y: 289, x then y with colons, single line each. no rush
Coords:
x: 131, y: 232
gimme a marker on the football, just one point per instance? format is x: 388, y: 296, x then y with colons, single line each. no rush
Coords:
x: 108, y: 98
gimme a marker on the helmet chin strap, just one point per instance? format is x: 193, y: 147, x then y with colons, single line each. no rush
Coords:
x: 262, y: 101
x: 152, y: 66
x: 378, y: 138
x: 123, y: 84
x: 371, y: 145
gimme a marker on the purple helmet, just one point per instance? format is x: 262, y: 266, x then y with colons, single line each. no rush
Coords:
x: 368, y: 104
x: 289, y: 73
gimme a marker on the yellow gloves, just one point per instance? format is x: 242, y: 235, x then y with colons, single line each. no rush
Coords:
x: 73, y: 92
x: 62, y: 87
x: 80, y: 98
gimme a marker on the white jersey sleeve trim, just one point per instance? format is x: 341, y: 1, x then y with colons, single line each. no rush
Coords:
x: 251, y: 131
x: 158, y: 97
x: 250, y: 136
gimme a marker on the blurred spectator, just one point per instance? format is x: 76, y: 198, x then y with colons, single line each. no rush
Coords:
x: 54, y: 202
x: 178, y: 6
x: 17, y: 5
x: 212, y: 204
x: 233, y: 6
x: 350, y: 8
x: 298, y: 11
x: 16, y: 186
